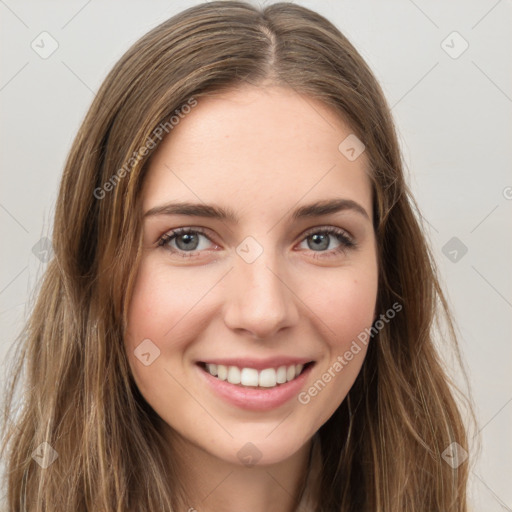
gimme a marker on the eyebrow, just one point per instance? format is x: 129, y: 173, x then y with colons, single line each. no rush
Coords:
x: 316, y: 209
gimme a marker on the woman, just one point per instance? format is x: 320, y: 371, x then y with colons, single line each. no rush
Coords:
x: 240, y: 309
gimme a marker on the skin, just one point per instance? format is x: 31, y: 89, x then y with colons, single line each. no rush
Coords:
x: 262, y: 152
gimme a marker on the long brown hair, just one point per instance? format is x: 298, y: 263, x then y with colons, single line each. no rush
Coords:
x: 382, y: 448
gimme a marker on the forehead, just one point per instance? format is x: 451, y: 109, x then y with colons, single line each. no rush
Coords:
x: 256, y: 148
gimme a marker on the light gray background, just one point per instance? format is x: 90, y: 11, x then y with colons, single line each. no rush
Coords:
x: 453, y: 116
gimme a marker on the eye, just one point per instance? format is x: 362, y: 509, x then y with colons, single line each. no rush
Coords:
x: 186, y: 240
x: 319, y: 239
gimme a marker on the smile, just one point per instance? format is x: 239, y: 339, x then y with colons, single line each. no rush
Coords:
x: 253, y: 378
x: 255, y: 384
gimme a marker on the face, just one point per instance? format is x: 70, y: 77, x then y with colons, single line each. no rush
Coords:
x: 251, y: 294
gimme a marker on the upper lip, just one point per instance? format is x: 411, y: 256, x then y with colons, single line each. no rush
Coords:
x: 257, y: 364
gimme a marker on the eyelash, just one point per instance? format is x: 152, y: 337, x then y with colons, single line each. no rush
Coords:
x: 346, y: 242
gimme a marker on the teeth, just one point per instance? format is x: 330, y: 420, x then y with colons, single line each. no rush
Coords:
x: 281, y: 375
x: 234, y: 375
x: 249, y: 377
x: 267, y: 378
x: 212, y: 368
x: 222, y: 372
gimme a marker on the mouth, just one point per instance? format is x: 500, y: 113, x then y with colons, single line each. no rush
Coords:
x: 253, y: 384
x: 254, y: 378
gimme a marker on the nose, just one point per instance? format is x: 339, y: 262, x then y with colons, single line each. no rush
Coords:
x: 260, y: 298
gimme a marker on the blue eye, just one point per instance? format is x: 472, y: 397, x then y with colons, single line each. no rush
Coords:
x: 321, y: 239
x: 186, y: 242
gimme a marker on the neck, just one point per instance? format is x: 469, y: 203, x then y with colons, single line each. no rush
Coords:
x: 211, y: 484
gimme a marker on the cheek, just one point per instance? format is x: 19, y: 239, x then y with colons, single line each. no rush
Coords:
x: 344, y: 301
x: 161, y: 301
x: 346, y: 310
x: 352, y: 309
x: 158, y: 325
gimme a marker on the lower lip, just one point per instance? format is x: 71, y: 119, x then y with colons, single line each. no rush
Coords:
x: 253, y: 399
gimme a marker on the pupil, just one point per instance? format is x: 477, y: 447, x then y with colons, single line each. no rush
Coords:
x: 188, y: 240
x: 318, y: 239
